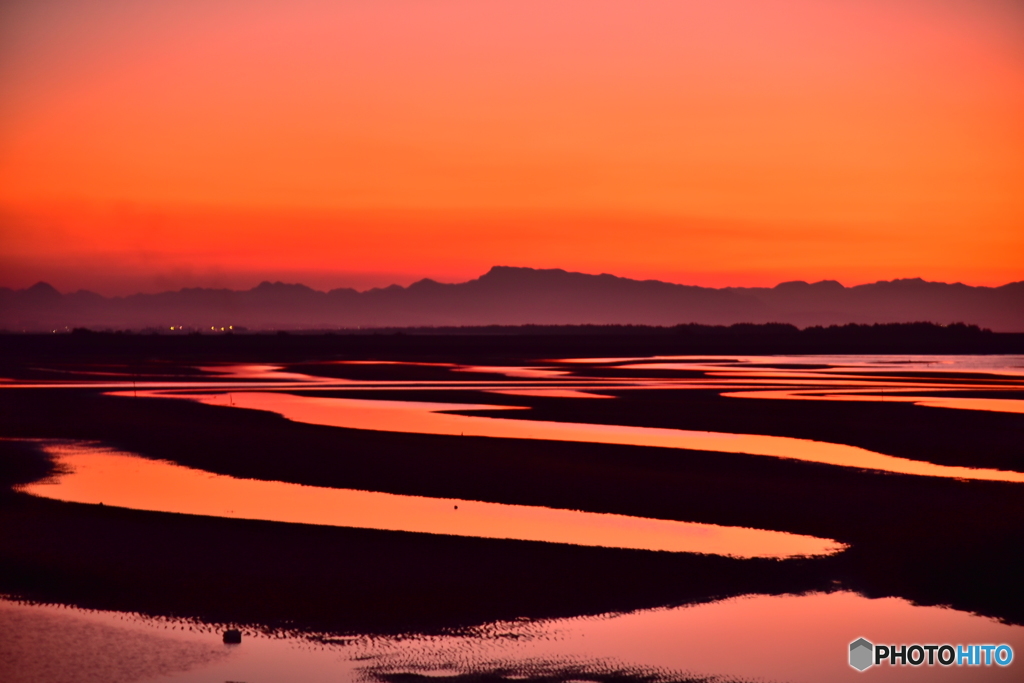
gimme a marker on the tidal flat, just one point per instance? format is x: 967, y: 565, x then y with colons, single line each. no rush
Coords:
x: 909, y: 550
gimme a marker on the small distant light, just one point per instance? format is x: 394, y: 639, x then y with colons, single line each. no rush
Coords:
x: 214, y: 329
x: 222, y: 329
x: 172, y: 327
x: 231, y: 327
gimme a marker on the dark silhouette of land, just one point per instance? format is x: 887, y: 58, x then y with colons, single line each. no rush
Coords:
x: 930, y: 540
x: 496, y: 344
x: 518, y: 296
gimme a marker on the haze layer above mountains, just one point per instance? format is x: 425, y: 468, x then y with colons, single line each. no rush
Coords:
x: 518, y: 296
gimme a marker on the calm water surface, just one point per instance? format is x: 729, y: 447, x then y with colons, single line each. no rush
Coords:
x: 432, y: 418
x: 796, y: 638
x: 873, y: 378
x: 93, y: 474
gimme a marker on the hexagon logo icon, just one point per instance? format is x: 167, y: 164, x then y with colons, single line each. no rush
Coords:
x: 861, y: 652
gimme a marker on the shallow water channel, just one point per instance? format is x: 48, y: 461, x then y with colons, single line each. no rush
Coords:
x: 437, y: 418
x: 93, y: 474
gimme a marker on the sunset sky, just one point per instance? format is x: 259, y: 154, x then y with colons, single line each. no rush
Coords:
x: 148, y: 145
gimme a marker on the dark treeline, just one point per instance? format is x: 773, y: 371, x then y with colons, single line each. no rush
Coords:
x: 877, y: 330
x: 497, y: 343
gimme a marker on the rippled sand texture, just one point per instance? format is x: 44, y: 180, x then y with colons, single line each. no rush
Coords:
x: 801, y: 639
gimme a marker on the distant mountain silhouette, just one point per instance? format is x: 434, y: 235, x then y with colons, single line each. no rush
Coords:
x: 517, y: 296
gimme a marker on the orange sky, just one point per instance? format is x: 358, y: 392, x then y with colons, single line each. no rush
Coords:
x: 155, y: 144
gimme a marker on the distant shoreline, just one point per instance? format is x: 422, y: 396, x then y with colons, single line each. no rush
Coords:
x: 517, y: 342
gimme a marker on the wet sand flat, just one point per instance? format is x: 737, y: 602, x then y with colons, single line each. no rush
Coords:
x: 923, y: 539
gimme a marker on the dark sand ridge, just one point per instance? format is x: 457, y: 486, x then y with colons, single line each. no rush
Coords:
x: 935, y: 541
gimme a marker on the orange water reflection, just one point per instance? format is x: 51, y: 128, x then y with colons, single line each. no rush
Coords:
x: 92, y: 474
x: 1000, y: 364
x: 426, y: 418
x: 262, y: 371
x: 998, y: 405
x: 801, y: 639
x: 780, y: 377
x: 57, y: 644
x: 795, y: 638
x: 547, y: 393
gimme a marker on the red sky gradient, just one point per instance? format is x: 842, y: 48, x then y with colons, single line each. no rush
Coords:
x: 153, y: 144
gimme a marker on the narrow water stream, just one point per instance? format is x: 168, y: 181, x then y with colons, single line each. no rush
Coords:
x: 431, y: 418
x: 93, y: 474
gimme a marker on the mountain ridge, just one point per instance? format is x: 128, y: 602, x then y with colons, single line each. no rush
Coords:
x: 512, y: 295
